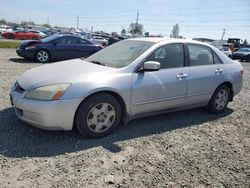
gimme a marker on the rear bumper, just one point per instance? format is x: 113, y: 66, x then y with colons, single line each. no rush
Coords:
x: 48, y: 115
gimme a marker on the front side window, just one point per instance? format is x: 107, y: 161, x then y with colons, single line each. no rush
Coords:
x: 169, y: 56
x: 199, y: 55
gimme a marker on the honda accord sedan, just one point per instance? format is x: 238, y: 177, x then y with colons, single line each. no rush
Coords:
x: 57, y: 47
x: 129, y: 79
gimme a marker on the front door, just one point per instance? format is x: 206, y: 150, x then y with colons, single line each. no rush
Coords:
x: 163, y: 89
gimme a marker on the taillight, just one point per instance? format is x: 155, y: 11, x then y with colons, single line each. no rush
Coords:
x: 241, y: 72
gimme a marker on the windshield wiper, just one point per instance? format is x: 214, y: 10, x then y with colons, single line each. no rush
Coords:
x: 97, y: 62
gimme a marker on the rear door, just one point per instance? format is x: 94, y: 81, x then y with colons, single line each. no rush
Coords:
x: 206, y: 72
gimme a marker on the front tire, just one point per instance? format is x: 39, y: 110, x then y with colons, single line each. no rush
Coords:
x: 42, y: 56
x: 98, y: 116
x: 219, y: 100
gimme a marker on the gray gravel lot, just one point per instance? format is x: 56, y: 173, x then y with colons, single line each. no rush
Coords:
x: 184, y: 149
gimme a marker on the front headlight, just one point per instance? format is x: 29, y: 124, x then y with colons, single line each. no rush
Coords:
x: 30, y: 47
x: 50, y: 92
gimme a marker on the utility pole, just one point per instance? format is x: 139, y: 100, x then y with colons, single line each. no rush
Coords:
x: 47, y: 20
x: 223, y: 33
x: 136, y: 23
x: 77, y: 22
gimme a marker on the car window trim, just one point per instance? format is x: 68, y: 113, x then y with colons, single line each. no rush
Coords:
x: 138, y: 67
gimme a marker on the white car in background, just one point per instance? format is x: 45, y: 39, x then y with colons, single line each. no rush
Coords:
x: 4, y: 28
x: 100, y: 40
x: 38, y: 32
x: 226, y: 50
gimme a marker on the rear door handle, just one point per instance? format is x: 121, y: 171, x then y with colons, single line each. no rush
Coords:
x: 219, y: 71
x: 181, y: 75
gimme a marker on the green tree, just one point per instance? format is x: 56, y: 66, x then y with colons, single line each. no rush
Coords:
x: 176, y: 31
x: 123, y: 32
x: 136, y: 28
x: 3, y: 22
x: 46, y: 25
x: 24, y: 23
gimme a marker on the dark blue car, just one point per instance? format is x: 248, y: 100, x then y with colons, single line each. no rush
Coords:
x: 57, y: 47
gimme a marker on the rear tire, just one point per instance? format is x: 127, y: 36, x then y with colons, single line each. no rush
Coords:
x: 98, y: 116
x: 219, y: 100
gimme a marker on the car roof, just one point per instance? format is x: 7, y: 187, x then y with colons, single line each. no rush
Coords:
x: 166, y: 40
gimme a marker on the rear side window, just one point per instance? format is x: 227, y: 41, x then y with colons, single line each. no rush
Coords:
x: 169, y: 56
x: 216, y: 59
x: 200, y: 55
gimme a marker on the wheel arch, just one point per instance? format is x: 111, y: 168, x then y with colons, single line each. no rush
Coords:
x: 112, y: 93
x: 230, y: 86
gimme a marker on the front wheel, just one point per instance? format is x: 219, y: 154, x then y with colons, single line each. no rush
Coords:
x: 98, y: 116
x: 219, y: 100
x: 42, y: 56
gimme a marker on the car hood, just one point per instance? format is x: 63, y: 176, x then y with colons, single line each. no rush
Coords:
x: 69, y: 71
x: 29, y: 42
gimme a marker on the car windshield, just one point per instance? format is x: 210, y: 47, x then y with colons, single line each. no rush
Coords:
x: 48, y: 39
x: 120, y: 54
x: 244, y: 50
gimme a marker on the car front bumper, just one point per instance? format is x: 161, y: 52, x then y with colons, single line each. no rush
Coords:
x: 48, y: 115
x: 30, y: 54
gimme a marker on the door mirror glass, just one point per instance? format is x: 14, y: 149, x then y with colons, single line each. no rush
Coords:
x: 151, y: 66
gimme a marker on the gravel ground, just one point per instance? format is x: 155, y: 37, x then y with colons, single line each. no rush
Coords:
x: 184, y: 149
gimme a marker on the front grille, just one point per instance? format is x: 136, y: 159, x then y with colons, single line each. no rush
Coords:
x: 18, y: 88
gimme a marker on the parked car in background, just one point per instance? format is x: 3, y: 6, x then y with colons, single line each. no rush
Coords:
x: 242, y: 54
x: 100, y: 40
x: 226, y: 50
x: 57, y: 47
x: 38, y: 32
x: 21, y: 35
x: 5, y: 28
x: 129, y: 79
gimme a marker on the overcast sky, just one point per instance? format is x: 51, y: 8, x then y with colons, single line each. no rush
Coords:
x: 196, y: 18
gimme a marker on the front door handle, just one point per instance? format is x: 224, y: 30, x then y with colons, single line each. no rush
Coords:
x: 181, y: 75
x: 219, y: 71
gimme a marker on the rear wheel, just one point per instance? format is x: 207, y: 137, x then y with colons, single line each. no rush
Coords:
x: 219, y: 100
x: 98, y: 116
x: 42, y: 56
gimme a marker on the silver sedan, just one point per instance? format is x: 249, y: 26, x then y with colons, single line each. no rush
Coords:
x: 129, y: 79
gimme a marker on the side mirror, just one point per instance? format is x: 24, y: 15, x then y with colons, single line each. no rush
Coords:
x: 151, y: 66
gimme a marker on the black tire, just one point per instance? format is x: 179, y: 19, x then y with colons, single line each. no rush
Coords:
x: 104, y: 44
x: 40, y: 59
x: 213, y: 106
x: 11, y: 36
x: 84, y: 112
x: 248, y: 58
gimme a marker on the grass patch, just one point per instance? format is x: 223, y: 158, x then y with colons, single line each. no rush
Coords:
x: 9, y: 44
